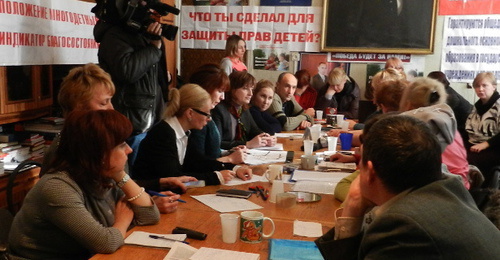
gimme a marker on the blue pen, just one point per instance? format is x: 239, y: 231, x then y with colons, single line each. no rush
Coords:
x: 154, y: 193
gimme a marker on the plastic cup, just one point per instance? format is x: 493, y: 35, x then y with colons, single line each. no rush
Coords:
x: 332, y: 143
x: 339, y: 120
x: 319, y: 114
x: 308, y: 147
x: 345, y: 141
x: 230, y: 227
x: 278, y: 187
x: 286, y: 200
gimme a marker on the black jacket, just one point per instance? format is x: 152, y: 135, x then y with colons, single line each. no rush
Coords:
x: 134, y: 66
x: 346, y: 102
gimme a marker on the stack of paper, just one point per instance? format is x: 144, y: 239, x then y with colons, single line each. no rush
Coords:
x: 336, y: 166
x: 181, y: 251
x: 316, y: 182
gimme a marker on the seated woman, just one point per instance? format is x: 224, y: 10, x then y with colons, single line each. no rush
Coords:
x: 234, y: 121
x: 425, y: 99
x: 305, y: 94
x: 163, y: 150
x: 483, y: 126
x: 87, y: 88
x: 261, y: 101
x: 207, y: 141
x: 341, y: 93
x: 461, y: 107
x: 86, y: 202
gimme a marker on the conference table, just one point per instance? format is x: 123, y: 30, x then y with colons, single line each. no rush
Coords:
x: 200, y: 217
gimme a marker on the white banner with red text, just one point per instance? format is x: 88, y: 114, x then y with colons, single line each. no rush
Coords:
x: 35, y: 32
x: 471, y: 44
x: 291, y: 28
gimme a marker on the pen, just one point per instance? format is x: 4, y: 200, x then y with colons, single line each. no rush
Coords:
x: 166, y: 238
x: 163, y: 195
x: 262, y: 193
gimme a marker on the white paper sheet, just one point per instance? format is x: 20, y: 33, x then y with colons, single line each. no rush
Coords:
x: 301, y: 175
x: 142, y: 239
x: 238, y: 181
x: 225, y: 204
x: 181, y: 251
x: 289, y: 135
x: 277, y: 147
x: 205, y: 253
x: 256, y: 157
x: 307, y: 229
x: 320, y: 187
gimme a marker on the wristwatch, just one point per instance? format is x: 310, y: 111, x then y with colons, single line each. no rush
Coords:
x: 123, y: 181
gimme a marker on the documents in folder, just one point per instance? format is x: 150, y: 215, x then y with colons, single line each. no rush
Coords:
x: 336, y: 166
x: 286, y: 249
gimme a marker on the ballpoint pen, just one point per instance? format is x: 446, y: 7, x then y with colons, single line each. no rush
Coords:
x: 166, y: 238
x: 154, y: 193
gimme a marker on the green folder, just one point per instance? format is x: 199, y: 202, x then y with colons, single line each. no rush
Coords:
x: 286, y: 249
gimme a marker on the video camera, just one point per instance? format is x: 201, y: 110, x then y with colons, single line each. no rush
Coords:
x: 136, y: 15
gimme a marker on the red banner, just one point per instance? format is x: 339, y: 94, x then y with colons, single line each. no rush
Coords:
x: 468, y: 7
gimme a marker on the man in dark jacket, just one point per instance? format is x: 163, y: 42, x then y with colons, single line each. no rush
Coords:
x: 420, y: 214
x: 133, y: 58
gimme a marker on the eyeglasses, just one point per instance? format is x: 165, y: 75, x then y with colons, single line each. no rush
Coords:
x: 202, y: 113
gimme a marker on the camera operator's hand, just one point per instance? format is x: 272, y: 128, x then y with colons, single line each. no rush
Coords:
x: 155, y: 29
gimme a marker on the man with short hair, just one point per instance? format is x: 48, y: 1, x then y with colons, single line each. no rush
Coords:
x: 319, y: 80
x: 285, y: 108
x: 420, y: 214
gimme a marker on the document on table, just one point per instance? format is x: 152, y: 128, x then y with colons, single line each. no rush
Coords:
x: 289, y: 135
x: 277, y: 147
x: 141, y: 238
x: 238, y: 181
x: 182, y: 251
x: 317, y: 182
x: 302, y: 175
x: 226, y: 204
x: 256, y: 157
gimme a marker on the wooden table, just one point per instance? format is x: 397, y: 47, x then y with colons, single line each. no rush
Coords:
x: 196, y: 215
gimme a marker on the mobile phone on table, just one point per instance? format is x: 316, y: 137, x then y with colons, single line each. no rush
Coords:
x: 195, y: 184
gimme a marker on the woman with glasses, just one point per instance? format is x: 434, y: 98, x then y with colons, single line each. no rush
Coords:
x: 207, y: 141
x: 162, y: 153
x: 233, y: 119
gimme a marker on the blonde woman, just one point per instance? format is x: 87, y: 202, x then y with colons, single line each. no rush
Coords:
x: 235, y: 52
x: 341, y: 93
x: 483, y: 125
x: 162, y: 153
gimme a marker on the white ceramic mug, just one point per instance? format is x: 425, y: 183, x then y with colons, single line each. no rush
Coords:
x: 274, y: 172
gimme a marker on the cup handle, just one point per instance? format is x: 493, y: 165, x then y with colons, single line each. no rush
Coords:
x: 272, y: 231
x: 266, y: 174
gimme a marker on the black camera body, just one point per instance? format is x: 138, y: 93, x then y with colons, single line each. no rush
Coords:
x: 136, y: 15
